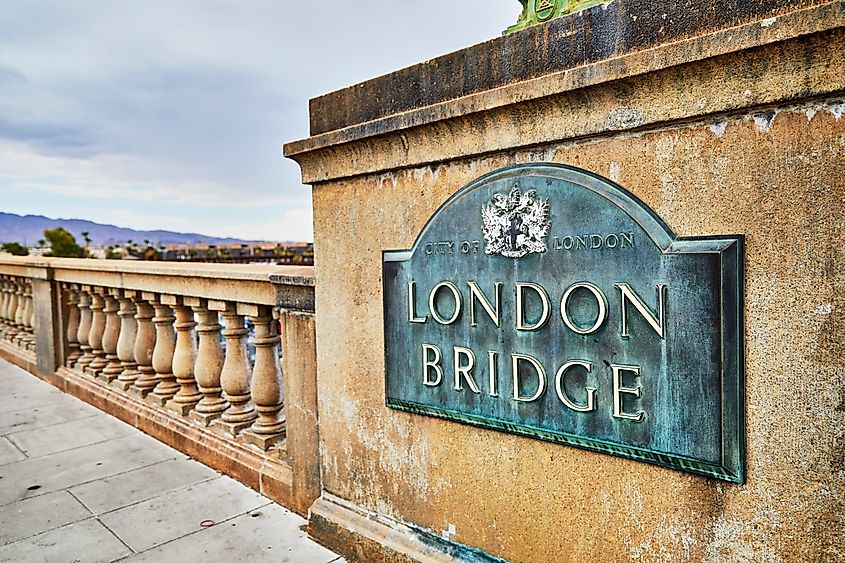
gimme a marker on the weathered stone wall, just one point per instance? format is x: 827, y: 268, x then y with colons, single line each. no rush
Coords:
x: 743, y: 138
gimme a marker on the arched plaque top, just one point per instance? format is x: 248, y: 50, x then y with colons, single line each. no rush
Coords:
x: 656, y: 229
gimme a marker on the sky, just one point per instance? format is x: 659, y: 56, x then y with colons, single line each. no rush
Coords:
x: 171, y: 114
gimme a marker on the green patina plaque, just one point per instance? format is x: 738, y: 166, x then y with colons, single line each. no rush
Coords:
x: 538, y: 11
x: 546, y: 301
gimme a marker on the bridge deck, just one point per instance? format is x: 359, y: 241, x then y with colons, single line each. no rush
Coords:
x: 79, y: 485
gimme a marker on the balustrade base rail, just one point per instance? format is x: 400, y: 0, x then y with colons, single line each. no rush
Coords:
x: 266, y: 472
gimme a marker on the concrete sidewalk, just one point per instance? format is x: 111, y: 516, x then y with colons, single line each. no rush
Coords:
x: 79, y: 485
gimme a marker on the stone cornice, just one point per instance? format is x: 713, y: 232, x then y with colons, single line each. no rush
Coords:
x: 346, y: 152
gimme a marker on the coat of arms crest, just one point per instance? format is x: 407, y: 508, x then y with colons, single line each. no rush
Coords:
x: 515, y: 225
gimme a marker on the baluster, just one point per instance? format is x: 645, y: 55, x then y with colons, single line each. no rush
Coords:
x: 209, y: 361
x: 235, y: 375
x: 163, y: 353
x: 20, y: 313
x: 22, y: 338
x: 14, y: 309
x: 184, y: 358
x: 8, y: 308
x: 267, y: 392
x: 4, y: 306
x: 28, y: 339
x: 30, y: 321
x: 11, y: 307
x: 20, y: 292
x: 17, y: 309
x: 85, y: 319
x: 144, y: 345
x: 72, y: 300
x: 98, y: 329
x: 126, y: 342
x: 111, y: 336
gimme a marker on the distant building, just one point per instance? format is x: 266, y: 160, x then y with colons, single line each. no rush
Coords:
x: 280, y: 253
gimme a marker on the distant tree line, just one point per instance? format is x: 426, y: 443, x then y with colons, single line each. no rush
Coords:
x: 62, y: 244
x: 59, y: 242
x: 15, y: 248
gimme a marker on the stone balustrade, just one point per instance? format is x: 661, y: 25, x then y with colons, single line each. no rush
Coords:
x: 16, y: 312
x: 192, y: 354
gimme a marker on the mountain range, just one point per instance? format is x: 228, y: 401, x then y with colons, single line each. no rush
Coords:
x: 28, y: 229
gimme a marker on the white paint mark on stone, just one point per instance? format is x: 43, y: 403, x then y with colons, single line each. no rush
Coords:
x: 449, y: 532
x: 392, y: 177
x: 837, y: 109
x: 615, y: 169
x: 421, y: 173
x: 768, y: 22
x: 764, y: 121
x: 810, y: 113
x: 719, y: 128
x: 825, y: 309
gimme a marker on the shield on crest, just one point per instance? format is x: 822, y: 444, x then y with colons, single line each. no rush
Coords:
x: 544, y: 9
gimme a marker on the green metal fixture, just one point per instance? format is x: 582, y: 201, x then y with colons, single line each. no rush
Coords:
x: 539, y: 11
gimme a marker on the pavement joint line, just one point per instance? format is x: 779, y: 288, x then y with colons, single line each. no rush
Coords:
x: 230, y: 518
x: 112, y: 532
x: 42, y: 532
x: 72, y: 449
x: 57, y: 527
x: 38, y: 406
x: 180, y: 488
x: 17, y: 447
x: 91, y: 415
x: 79, y: 500
x: 46, y: 492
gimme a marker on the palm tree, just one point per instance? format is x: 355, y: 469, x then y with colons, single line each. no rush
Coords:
x: 87, y: 241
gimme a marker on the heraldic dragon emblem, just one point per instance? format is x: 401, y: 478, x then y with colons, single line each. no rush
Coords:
x: 515, y: 225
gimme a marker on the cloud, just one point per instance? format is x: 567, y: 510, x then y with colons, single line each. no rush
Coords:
x: 187, y: 103
x: 117, y: 177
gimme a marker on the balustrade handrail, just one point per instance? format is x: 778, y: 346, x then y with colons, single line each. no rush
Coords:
x: 250, y: 282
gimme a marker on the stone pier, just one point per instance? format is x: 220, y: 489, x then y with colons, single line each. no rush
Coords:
x: 723, y: 120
